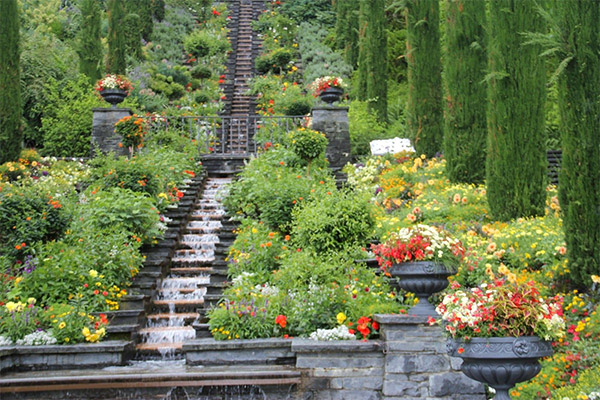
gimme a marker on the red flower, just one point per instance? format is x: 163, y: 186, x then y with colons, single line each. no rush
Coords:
x: 281, y: 320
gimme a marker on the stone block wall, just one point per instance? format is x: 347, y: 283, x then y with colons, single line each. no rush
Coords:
x: 333, y: 121
x: 103, y: 130
x: 417, y: 366
x: 340, y: 370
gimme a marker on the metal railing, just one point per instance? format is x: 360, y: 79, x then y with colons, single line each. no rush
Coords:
x: 231, y: 134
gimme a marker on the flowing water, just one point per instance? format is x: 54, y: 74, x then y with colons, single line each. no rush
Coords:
x: 180, y: 295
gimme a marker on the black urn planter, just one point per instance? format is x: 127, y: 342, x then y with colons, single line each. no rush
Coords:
x: 501, y: 362
x: 113, y: 96
x: 331, y: 95
x: 423, y: 278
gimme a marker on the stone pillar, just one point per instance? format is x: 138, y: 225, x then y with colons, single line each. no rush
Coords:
x: 333, y: 121
x: 103, y: 130
x: 417, y: 365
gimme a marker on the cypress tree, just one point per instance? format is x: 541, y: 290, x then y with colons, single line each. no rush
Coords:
x: 89, y: 41
x: 346, y: 29
x: 579, y: 105
x: 144, y: 10
x: 372, y: 69
x: 117, y: 43
x: 516, y: 155
x: 158, y: 9
x: 10, y: 92
x: 133, y: 35
x: 465, y: 65
x: 425, y: 116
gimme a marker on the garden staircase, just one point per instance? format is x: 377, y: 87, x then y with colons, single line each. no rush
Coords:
x: 192, y: 282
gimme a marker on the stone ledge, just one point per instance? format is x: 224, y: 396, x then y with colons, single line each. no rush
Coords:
x: 334, y: 346
x: 84, y: 355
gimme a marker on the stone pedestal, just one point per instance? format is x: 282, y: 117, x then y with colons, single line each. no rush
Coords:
x: 333, y: 121
x: 417, y: 365
x: 103, y: 130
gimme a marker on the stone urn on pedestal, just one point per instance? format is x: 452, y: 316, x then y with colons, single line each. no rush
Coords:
x: 421, y: 258
x: 501, y: 330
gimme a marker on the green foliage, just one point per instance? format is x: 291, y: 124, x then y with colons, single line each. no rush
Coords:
x: 307, y: 144
x: 587, y: 383
x: 121, y: 209
x: 133, y: 37
x: 89, y: 45
x: 201, y: 72
x: 20, y: 321
x: 271, y: 185
x: 425, y: 116
x: 203, y: 43
x: 275, y: 61
x: 166, y: 85
x: 364, y: 127
x: 372, y: 67
x: 158, y: 9
x: 346, y: 29
x: 579, y: 86
x: 143, y: 9
x: 63, y: 267
x: 318, y: 59
x: 117, y: 38
x: 10, y: 100
x: 67, y: 119
x: 28, y: 214
x: 464, y: 70
x: 333, y: 223
x: 166, y: 38
x: 256, y: 250
x: 310, y: 11
x: 44, y: 58
x: 516, y: 119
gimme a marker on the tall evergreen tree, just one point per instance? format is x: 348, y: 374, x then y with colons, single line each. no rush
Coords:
x: 372, y: 68
x: 143, y: 8
x: 89, y: 40
x: 158, y: 9
x: 464, y: 72
x: 516, y: 155
x: 346, y: 29
x: 10, y: 92
x: 133, y: 35
x: 424, y: 109
x: 579, y: 104
x: 117, y: 39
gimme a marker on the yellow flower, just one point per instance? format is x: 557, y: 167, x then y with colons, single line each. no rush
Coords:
x: 341, y: 317
x: 67, y: 339
x: 61, y: 325
x: 595, y: 278
x: 93, y: 273
x: 31, y: 300
x: 85, y: 331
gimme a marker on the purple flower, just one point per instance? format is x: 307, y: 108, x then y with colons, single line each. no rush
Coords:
x: 45, y: 173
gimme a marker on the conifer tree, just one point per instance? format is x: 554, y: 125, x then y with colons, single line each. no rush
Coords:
x: 158, y: 9
x: 143, y: 9
x: 89, y: 40
x: 465, y: 130
x: 346, y: 29
x: 516, y: 154
x: 10, y: 93
x: 579, y: 104
x: 133, y: 35
x: 372, y: 68
x: 117, y: 43
x: 425, y: 116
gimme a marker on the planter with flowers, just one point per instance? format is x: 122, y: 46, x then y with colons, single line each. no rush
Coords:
x: 422, y: 257
x: 329, y: 88
x: 501, y: 330
x: 132, y: 130
x: 113, y: 89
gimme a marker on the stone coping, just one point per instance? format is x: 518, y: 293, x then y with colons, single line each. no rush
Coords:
x: 109, y: 345
x: 335, y: 346
x: 214, y: 345
x: 400, y: 319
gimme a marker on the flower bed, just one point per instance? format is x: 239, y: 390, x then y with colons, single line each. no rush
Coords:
x: 71, y: 235
x: 409, y: 190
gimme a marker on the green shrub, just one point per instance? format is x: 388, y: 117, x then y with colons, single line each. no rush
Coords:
x: 298, y: 107
x: 334, y: 222
x: 29, y: 214
x: 124, y: 209
x: 256, y: 251
x: 364, y: 127
x: 272, y: 184
x: 308, y: 144
x: 201, y: 72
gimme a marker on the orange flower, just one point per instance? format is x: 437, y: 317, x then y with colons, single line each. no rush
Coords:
x: 281, y: 320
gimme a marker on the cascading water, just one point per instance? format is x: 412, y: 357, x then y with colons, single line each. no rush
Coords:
x: 180, y: 295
